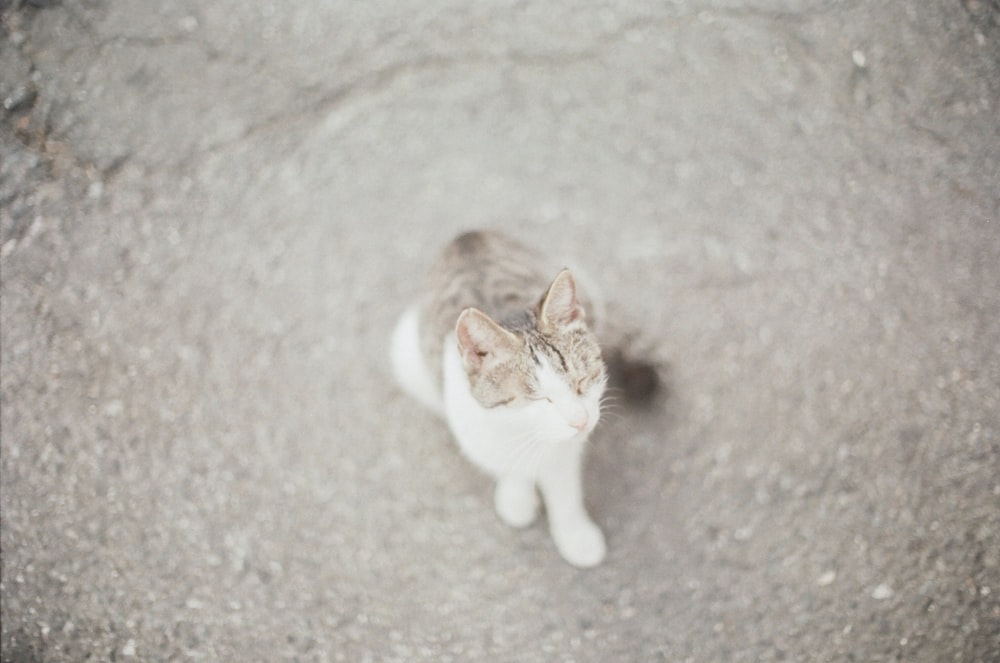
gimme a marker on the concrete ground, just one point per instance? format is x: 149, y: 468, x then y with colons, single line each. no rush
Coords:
x: 213, y: 211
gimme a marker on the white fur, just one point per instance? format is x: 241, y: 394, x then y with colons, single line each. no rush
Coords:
x: 408, y: 362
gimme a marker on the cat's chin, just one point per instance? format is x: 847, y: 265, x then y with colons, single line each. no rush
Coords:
x: 556, y: 431
x: 563, y: 436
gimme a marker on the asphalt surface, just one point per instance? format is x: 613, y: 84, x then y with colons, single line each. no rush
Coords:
x: 212, y: 213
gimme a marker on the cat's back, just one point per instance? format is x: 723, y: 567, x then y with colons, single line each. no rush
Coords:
x: 487, y: 269
x: 482, y: 265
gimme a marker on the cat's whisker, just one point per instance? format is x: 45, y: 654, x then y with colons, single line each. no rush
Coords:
x: 534, y: 460
x: 609, y: 421
x: 610, y: 408
x: 528, y: 455
x: 519, y: 446
x: 525, y: 437
x: 524, y: 447
x: 614, y: 392
x: 523, y: 450
x: 612, y: 414
x: 611, y: 418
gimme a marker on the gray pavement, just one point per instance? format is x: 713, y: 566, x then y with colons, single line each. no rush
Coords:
x: 212, y: 212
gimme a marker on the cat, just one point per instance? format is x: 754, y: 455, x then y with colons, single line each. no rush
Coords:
x: 499, y: 345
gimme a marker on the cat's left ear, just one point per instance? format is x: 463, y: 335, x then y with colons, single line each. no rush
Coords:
x: 559, y: 306
x: 481, y: 341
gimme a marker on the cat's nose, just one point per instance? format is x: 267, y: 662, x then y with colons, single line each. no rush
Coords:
x: 576, y: 416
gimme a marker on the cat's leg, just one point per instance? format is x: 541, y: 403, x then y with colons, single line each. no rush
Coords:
x: 516, y: 501
x: 579, y: 540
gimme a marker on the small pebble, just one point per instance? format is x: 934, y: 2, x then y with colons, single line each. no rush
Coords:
x: 18, y: 100
x: 882, y: 592
x: 826, y: 578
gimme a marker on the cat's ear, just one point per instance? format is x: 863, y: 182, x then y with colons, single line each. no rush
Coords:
x: 481, y: 341
x: 560, y: 307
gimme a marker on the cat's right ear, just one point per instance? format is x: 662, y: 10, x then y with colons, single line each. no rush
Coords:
x: 481, y: 341
x: 559, y: 306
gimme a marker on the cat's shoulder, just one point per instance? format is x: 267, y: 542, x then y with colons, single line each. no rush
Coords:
x: 409, y: 363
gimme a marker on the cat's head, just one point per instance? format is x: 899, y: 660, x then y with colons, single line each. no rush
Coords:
x: 548, y: 366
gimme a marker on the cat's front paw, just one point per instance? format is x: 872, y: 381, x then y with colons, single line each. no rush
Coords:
x: 516, y: 502
x: 582, y: 544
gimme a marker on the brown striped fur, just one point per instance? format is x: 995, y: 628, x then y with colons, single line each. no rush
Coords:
x: 508, y: 282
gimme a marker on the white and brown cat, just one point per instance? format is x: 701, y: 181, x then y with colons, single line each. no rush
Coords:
x: 499, y: 345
